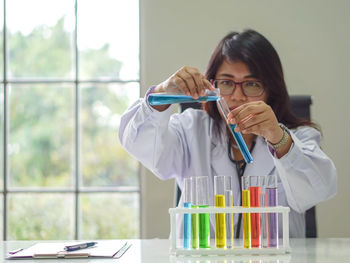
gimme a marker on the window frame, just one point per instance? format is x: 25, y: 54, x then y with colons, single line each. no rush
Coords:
x: 77, y: 188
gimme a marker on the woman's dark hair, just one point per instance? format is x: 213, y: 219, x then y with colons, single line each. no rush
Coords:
x: 254, y: 50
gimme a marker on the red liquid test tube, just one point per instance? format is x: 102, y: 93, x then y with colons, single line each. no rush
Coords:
x: 255, y: 217
x: 255, y: 183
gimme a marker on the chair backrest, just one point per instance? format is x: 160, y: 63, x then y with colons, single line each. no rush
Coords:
x: 300, y: 106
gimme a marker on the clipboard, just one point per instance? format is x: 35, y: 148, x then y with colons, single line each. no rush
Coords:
x: 103, y: 249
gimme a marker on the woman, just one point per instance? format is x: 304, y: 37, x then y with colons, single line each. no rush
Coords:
x: 247, y: 70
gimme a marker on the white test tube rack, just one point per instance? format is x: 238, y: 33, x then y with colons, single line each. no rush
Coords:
x: 283, y: 248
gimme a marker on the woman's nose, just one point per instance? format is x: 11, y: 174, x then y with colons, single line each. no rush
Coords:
x: 237, y: 93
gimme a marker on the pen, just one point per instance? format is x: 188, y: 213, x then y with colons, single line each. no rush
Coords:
x: 79, y: 246
x: 15, y: 251
x: 122, y: 250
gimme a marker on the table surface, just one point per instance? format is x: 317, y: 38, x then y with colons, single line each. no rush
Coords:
x: 157, y: 250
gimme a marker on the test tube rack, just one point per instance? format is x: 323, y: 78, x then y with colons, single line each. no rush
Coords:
x: 283, y: 248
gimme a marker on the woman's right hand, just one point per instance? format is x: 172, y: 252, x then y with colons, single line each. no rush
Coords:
x: 188, y: 80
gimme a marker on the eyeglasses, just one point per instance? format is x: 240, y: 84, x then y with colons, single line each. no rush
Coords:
x: 250, y: 88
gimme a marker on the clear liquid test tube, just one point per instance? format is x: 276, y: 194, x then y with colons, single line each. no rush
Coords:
x: 187, y: 190
x: 263, y: 216
x: 195, y: 217
x: 229, y: 216
x: 202, y: 185
x: 220, y: 220
x: 271, y: 199
x: 255, y: 184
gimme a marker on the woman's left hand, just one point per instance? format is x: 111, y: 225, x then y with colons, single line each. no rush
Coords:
x: 256, y: 118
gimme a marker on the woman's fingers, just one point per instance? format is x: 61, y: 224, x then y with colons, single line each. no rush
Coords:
x: 253, y: 124
x: 197, y: 78
x: 191, y: 81
x: 241, y: 113
x: 188, y: 80
x: 188, y: 84
x: 207, y: 84
x: 255, y: 118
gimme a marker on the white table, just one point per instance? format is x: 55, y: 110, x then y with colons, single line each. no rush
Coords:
x: 157, y: 250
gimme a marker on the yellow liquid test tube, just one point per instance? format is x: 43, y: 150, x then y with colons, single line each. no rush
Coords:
x: 246, y: 219
x: 195, y: 229
x: 220, y: 223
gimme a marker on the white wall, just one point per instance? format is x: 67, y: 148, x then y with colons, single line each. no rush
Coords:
x: 313, y: 40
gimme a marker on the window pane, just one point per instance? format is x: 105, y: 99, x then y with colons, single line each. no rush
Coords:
x: 110, y: 216
x: 41, y: 136
x: 1, y: 40
x: 41, y: 216
x: 2, y: 216
x: 104, y: 161
x: 108, y: 43
x: 40, y: 38
x: 1, y: 136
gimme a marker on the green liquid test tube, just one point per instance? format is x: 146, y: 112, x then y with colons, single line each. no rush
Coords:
x: 195, y: 217
x: 202, y: 183
x: 204, y: 229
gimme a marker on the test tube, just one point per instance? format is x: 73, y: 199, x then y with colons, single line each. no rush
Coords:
x: 255, y: 184
x: 246, y: 216
x: 229, y: 216
x: 202, y: 183
x: 225, y: 110
x: 272, y: 218
x: 195, y: 217
x: 263, y: 216
x: 187, y: 217
x: 220, y: 222
x: 179, y: 97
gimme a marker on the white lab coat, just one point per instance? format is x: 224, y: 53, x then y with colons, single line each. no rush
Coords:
x: 185, y: 145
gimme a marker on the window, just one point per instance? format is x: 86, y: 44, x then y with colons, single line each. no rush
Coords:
x: 68, y: 71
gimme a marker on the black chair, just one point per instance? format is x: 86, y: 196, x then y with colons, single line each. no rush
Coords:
x: 300, y: 106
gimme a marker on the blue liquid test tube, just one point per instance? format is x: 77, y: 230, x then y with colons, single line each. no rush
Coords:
x: 178, y: 97
x: 187, y: 217
x: 236, y: 135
